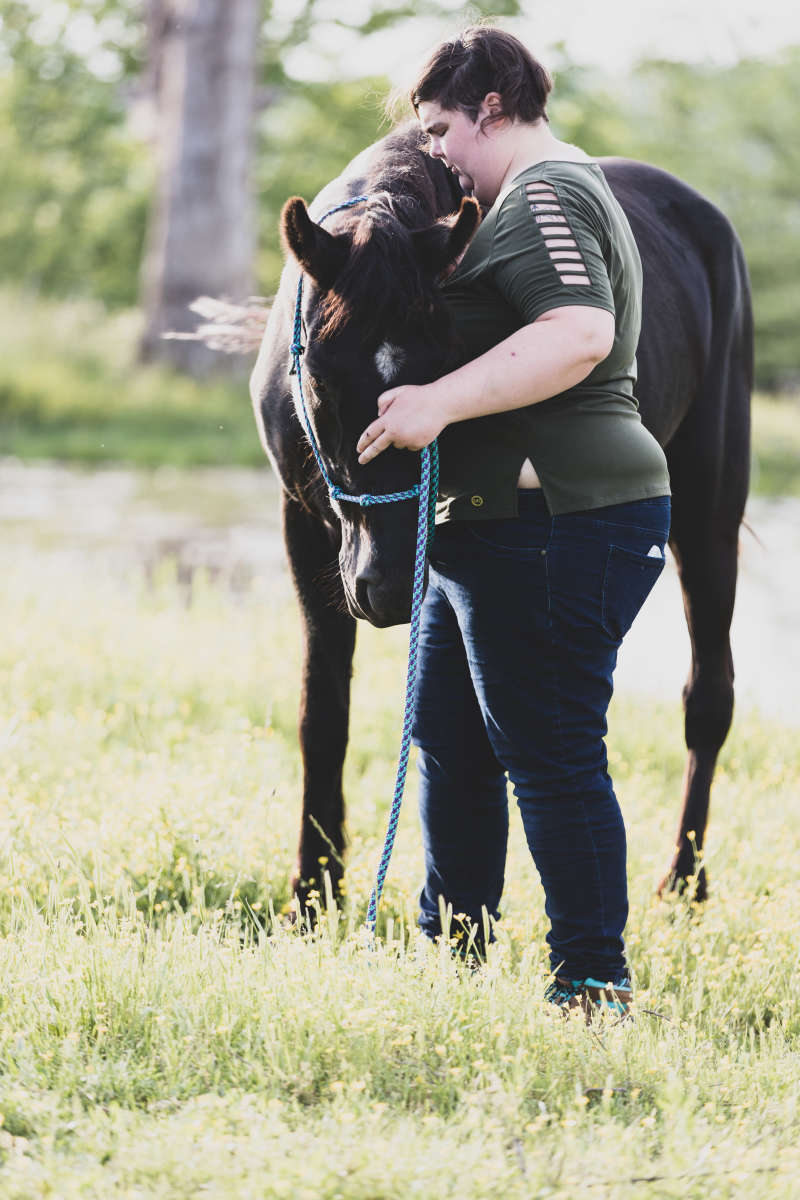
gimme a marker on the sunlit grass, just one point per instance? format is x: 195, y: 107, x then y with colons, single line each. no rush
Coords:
x: 776, y: 441
x: 156, y: 1042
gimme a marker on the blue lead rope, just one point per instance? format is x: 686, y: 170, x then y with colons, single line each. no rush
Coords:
x: 425, y: 491
x: 429, y: 479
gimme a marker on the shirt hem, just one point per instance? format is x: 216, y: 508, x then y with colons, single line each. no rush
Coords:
x: 622, y: 496
x: 493, y: 508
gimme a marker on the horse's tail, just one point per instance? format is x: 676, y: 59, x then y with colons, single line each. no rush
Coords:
x: 728, y: 382
x: 228, y: 327
x: 732, y: 339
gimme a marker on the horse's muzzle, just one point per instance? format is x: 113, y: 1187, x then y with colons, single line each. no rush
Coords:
x: 381, y: 597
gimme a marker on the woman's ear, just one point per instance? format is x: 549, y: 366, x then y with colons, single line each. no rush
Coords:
x: 493, y: 103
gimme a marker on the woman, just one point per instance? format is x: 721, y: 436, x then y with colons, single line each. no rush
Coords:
x: 552, y: 518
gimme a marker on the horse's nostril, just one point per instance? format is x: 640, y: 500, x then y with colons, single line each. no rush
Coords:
x: 384, y: 597
x: 366, y: 581
x: 369, y: 576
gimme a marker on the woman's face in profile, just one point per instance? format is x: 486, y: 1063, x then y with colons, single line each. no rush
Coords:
x: 456, y: 141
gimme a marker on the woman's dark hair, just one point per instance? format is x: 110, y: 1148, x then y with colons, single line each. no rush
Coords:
x: 461, y: 72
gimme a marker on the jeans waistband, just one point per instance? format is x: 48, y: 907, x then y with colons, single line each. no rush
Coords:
x: 532, y: 504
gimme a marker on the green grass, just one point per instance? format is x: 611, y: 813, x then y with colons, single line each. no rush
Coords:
x: 70, y: 389
x: 776, y: 442
x: 154, y: 1043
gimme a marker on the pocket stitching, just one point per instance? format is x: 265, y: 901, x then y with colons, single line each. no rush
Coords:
x: 501, y: 548
x: 645, y: 561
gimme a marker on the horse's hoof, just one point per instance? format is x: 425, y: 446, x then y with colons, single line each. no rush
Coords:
x: 685, y: 883
x: 311, y: 897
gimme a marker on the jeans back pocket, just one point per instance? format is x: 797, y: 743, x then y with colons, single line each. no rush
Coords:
x: 627, y: 582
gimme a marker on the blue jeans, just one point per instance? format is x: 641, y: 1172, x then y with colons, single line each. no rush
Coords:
x: 521, y: 625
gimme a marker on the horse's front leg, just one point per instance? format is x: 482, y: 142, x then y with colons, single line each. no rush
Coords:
x: 329, y: 641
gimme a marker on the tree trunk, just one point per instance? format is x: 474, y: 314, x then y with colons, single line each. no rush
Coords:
x: 201, y: 233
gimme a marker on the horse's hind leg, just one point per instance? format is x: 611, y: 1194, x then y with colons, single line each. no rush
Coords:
x: 707, y: 565
x: 708, y: 504
x: 329, y: 642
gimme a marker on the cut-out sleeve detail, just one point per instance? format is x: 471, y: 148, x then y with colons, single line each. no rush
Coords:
x: 548, y: 250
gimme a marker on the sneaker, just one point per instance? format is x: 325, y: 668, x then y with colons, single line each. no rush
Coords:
x: 592, y: 996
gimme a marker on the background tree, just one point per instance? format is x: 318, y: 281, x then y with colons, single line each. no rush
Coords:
x: 78, y: 172
x: 201, y: 236
x: 74, y: 182
x: 203, y: 66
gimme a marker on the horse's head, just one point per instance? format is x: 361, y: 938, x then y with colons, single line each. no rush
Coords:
x: 372, y: 317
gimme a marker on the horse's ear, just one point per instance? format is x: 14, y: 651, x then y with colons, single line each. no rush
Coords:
x: 319, y: 253
x: 441, y: 245
x: 462, y: 229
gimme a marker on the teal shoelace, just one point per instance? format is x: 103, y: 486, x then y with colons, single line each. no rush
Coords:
x: 561, y: 992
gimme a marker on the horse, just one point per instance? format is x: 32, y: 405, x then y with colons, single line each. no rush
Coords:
x: 372, y: 316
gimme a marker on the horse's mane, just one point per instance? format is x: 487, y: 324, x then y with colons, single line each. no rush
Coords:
x: 382, y: 276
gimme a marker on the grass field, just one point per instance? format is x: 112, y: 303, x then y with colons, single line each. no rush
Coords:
x: 70, y: 390
x: 154, y: 1042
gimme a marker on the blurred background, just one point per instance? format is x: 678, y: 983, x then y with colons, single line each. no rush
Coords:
x: 146, y: 147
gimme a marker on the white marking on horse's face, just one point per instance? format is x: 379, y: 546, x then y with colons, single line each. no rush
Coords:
x: 388, y: 360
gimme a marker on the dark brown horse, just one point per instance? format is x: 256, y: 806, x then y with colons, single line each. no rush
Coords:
x: 372, y: 316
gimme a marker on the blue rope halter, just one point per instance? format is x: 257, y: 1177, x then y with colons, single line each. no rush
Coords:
x: 425, y: 491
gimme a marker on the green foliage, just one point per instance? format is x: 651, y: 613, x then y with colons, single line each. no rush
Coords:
x: 70, y: 388
x: 732, y: 134
x: 74, y: 187
x: 307, y: 140
x: 76, y: 179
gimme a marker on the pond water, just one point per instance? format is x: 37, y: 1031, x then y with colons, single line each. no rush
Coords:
x: 226, y: 523
x: 124, y: 521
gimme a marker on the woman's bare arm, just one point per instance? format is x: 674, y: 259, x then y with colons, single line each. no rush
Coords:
x: 542, y: 359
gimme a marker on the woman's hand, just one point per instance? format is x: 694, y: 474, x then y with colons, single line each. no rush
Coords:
x: 407, y: 418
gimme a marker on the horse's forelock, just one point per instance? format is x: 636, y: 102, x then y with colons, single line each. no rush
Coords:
x: 382, y: 276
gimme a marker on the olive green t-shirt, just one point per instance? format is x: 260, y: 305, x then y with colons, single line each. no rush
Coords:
x: 555, y: 237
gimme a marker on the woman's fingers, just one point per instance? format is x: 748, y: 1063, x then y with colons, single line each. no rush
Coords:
x: 386, y: 399
x: 369, y: 435
x: 404, y: 421
x: 374, y: 447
